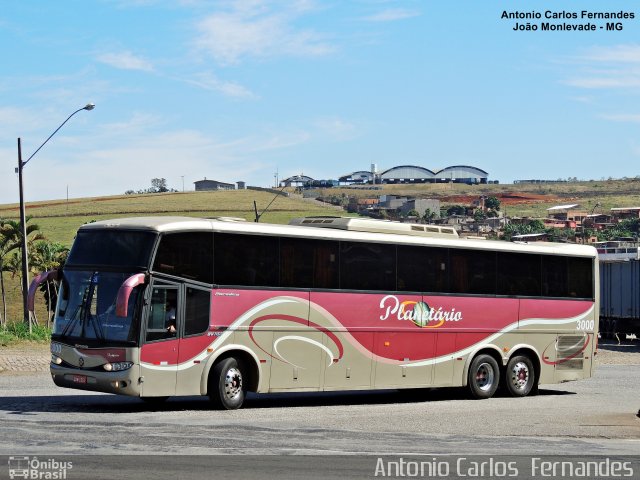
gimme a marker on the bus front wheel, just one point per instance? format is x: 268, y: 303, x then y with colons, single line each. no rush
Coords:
x: 226, y: 386
x: 484, y: 375
x: 520, y: 376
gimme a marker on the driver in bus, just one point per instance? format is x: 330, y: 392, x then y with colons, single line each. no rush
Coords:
x: 170, y: 317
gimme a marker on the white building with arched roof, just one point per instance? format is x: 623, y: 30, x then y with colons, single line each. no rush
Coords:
x: 407, y: 174
x: 462, y: 174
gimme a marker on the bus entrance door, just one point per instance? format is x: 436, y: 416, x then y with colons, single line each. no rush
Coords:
x: 159, y: 353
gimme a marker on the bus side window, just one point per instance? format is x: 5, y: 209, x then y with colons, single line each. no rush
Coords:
x: 248, y: 260
x: 308, y: 263
x: 473, y: 271
x: 580, y: 277
x: 162, y: 314
x: 554, y: 276
x: 519, y: 274
x: 197, y: 308
x: 367, y: 266
x: 422, y: 269
x: 186, y: 255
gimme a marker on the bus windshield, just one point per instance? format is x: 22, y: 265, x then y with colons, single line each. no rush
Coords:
x: 86, y: 309
x: 112, y: 248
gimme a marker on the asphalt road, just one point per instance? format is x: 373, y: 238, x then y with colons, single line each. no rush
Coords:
x: 597, y: 416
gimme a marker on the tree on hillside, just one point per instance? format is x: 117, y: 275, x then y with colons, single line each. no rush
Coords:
x: 159, y: 185
x: 479, y: 215
x: 428, y: 215
x: 492, y: 203
x: 456, y: 210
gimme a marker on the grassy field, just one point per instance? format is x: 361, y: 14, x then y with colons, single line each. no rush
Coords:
x: 59, y: 220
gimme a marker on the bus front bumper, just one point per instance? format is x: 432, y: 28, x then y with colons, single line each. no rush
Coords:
x: 121, y: 383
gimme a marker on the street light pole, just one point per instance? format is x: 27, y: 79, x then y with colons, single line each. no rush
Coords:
x: 23, y: 229
x: 23, y: 219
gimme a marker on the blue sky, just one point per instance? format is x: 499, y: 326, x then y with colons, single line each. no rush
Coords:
x: 237, y: 90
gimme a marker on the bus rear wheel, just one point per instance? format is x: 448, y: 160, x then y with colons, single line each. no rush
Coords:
x: 226, y: 386
x: 484, y: 376
x: 520, y: 376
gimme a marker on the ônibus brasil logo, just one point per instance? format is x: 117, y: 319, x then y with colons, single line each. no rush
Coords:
x: 419, y: 313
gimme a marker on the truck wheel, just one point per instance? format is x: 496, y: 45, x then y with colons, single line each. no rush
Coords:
x: 484, y: 376
x: 226, y: 388
x: 520, y: 376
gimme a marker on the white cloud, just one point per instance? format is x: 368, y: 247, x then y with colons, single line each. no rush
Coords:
x: 606, y: 81
x: 209, y: 81
x: 258, y: 29
x: 615, y: 67
x: 337, y: 128
x: 623, y: 117
x: 279, y: 141
x: 614, y: 54
x: 126, y: 61
x: 392, y: 15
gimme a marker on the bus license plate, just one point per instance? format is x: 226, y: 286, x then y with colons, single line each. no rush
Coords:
x: 79, y: 379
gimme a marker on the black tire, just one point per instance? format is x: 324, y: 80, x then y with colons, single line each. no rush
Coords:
x: 520, y: 376
x: 226, y: 386
x: 484, y: 376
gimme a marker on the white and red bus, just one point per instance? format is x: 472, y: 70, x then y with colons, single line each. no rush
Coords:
x: 163, y: 306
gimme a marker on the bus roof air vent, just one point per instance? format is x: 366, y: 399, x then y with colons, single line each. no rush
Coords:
x: 375, y: 226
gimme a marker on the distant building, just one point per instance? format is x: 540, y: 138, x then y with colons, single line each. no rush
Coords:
x: 618, y: 250
x: 417, y: 174
x: 421, y: 205
x: 361, y: 176
x: 205, y: 185
x: 539, y: 181
x: 598, y: 221
x: 462, y: 174
x: 296, y: 181
x: 407, y: 174
x: 361, y: 204
x: 530, y: 237
x: 392, y: 202
x: 625, y: 213
x: 241, y: 185
x: 571, y: 212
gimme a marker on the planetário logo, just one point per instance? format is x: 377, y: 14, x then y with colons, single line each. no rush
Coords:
x: 419, y: 313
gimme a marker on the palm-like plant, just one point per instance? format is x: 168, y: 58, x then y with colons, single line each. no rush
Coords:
x: 4, y: 252
x: 47, y: 256
x: 10, y: 241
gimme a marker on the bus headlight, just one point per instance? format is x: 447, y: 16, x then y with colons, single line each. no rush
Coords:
x: 55, y: 359
x: 117, y: 366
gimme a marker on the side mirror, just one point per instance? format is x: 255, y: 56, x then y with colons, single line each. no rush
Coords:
x: 36, y: 282
x: 124, y: 292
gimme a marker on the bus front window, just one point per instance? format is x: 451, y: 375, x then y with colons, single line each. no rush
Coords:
x: 86, y: 309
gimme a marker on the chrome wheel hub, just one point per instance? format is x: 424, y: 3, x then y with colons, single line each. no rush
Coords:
x: 520, y: 375
x: 232, y: 383
x: 484, y: 377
